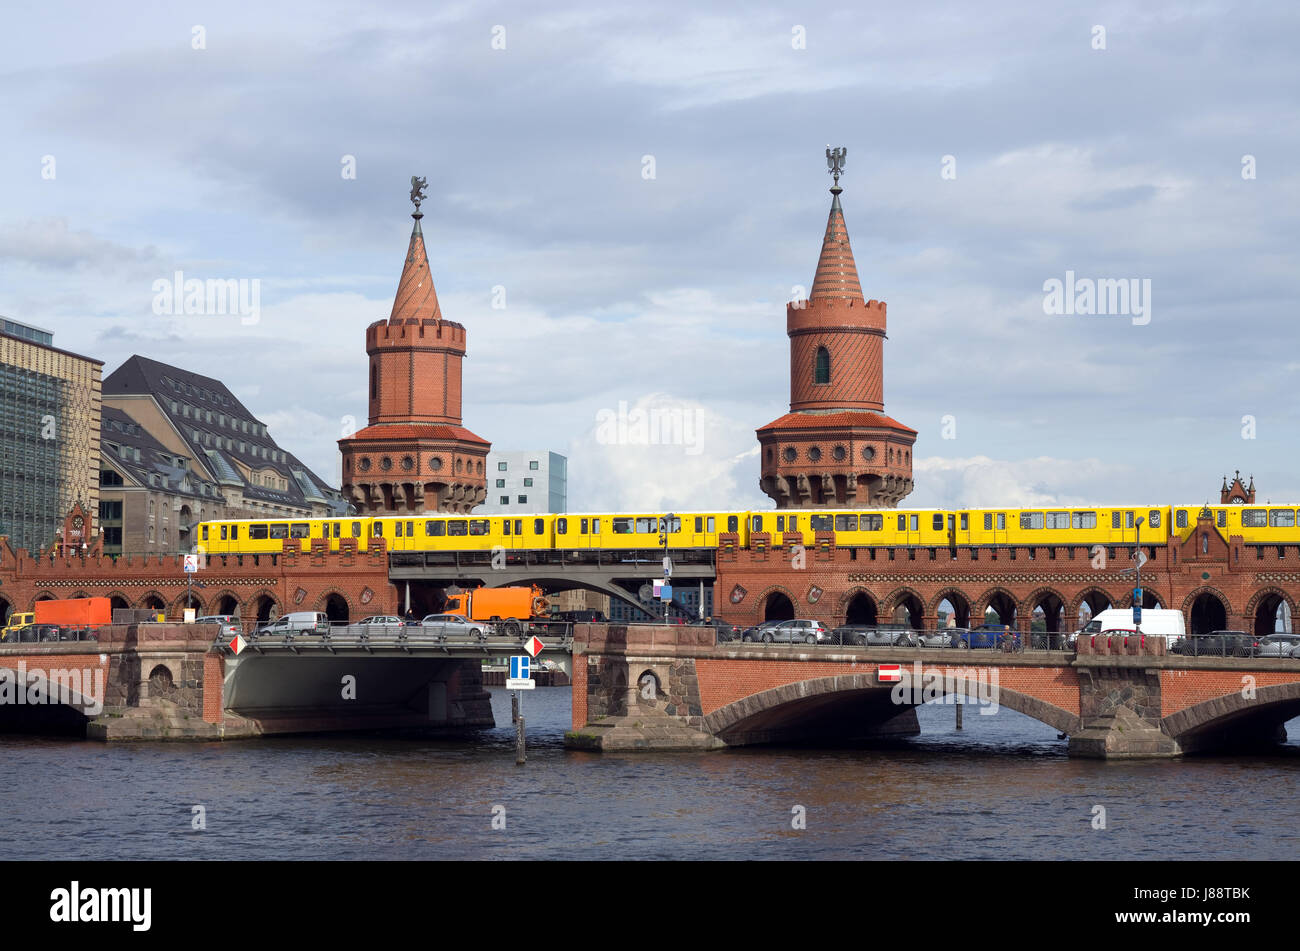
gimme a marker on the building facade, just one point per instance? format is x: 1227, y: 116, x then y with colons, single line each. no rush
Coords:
x: 836, y: 447
x: 49, y: 435
x: 197, y: 419
x: 526, y: 482
x: 415, y: 456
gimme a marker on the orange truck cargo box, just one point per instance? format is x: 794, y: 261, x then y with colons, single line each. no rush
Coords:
x: 484, y: 604
x: 75, y: 612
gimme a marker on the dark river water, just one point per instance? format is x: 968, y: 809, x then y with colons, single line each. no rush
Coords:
x: 1002, y: 788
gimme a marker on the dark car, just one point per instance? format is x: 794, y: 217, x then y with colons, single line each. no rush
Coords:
x: 756, y: 632
x: 873, y: 635
x: 726, y: 630
x: 988, y: 636
x: 1219, y: 644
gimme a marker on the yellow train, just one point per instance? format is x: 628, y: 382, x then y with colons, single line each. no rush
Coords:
x: 1074, y: 525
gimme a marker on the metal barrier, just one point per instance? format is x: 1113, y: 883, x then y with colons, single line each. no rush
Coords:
x: 404, y: 637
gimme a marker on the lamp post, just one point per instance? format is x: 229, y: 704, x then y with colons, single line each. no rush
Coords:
x: 663, y: 540
x: 1137, y: 586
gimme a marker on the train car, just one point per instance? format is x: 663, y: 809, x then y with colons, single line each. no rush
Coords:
x: 1061, y: 525
x: 267, y: 536
x: 619, y: 531
x: 886, y: 527
x: 1256, y: 524
x: 429, y: 532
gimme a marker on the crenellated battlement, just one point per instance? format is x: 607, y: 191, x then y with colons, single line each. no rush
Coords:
x: 421, y: 334
x: 826, y: 313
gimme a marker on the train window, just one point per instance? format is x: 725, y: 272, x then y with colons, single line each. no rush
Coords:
x: 257, y: 532
x: 479, y: 526
x: 913, y: 519
x: 539, y: 526
x: 223, y: 533
x: 1083, y: 520
x: 1058, y: 519
x: 951, y: 523
x: 1114, y: 519
x: 988, y: 521
x: 622, y: 526
x: 965, y: 522
x: 582, y: 526
x: 1031, y: 520
x: 846, y: 523
x: 1281, y: 518
x: 234, y: 533
x: 793, y: 524
x: 505, y: 526
x: 279, y: 531
x: 709, y: 525
x: 820, y: 523
x: 1223, y: 518
x: 902, y: 523
x: 519, y: 526
x: 1128, y: 519
x: 733, y: 523
x: 205, y: 533
x: 1180, y: 518
x: 338, y: 527
x: 410, y: 529
x: 937, y: 523
x: 397, y: 529
x: 699, y: 523
x: 456, y: 526
x: 1002, y: 521
x: 356, y: 529
x: 674, y: 523
x: 435, y: 527
x: 872, y: 523
x: 1254, y: 518
x: 377, y: 528
x: 300, y: 530
x: 646, y: 525
x: 561, y: 526
x: 756, y: 523
x: 1153, y: 518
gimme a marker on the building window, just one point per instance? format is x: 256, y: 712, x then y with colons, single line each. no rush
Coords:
x: 528, y: 483
x: 505, y: 500
x: 822, y: 366
x: 523, y: 500
x: 533, y: 465
x: 501, y: 483
x: 501, y: 467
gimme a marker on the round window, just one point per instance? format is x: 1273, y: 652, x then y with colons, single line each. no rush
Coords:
x: 790, y: 454
x: 365, y: 463
x: 435, y: 463
x: 839, y: 453
x: 868, y: 453
x: 386, y: 463
x: 408, y: 463
x: 814, y: 454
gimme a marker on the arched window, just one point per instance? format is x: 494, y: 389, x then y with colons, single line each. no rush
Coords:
x: 822, y: 367
x: 374, y: 379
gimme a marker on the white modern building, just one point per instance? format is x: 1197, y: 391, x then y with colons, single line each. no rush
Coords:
x: 526, y: 481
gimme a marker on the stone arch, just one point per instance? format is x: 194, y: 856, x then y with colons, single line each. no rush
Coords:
x: 648, y: 678
x: 161, y: 676
x: 1002, y: 601
x: 118, y: 601
x: 858, y: 606
x: 42, y: 596
x: 78, y: 594
x: 1276, y: 702
x: 774, y: 603
x: 1208, y: 609
x: 336, y: 605
x: 960, y: 605
x: 79, y: 700
x: 225, y: 601
x: 1093, y: 596
x: 183, y: 601
x: 1053, y: 604
x: 152, y: 601
x: 266, y: 607
x: 752, y: 707
x: 908, y: 599
x: 1261, y: 609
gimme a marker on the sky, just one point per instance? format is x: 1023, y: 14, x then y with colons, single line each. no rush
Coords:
x: 621, y: 202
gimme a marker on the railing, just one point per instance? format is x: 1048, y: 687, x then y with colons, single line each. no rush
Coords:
x: 636, y: 559
x: 943, y: 638
x: 417, y: 636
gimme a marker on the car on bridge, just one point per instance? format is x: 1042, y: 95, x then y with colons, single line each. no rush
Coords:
x: 944, y: 637
x: 988, y: 636
x: 798, y: 631
x: 297, y: 622
x: 1218, y: 644
x: 453, y: 627
x: 756, y: 632
x: 230, y: 625
x: 1279, y: 645
x: 726, y: 631
x: 380, y: 621
x: 874, y: 635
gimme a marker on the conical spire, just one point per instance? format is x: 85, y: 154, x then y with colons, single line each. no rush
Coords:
x: 416, y: 299
x: 837, y: 274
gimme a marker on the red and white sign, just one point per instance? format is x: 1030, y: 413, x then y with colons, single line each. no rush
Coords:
x: 238, y: 644
x: 533, y: 646
x: 889, y: 673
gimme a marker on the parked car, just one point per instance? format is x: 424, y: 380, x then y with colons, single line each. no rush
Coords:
x: 1278, y: 645
x: 944, y: 637
x: 726, y: 631
x: 453, y: 626
x: 988, y: 636
x: 796, y: 632
x: 871, y: 635
x: 381, y: 620
x: 1219, y: 644
x: 297, y: 622
x: 230, y: 625
x: 756, y: 632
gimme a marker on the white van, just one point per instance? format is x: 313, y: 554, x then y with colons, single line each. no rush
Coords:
x: 1156, y: 622
x: 298, y: 622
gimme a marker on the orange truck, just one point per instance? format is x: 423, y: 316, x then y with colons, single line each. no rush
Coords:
x: 512, y: 607
x: 74, y: 612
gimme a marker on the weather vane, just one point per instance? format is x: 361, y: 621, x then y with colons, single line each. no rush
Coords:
x: 835, y: 162
x: 418, y: 185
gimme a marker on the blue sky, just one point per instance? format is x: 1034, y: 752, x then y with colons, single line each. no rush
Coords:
x: 668, y: 291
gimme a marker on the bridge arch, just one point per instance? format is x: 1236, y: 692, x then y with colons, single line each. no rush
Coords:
x: 266, y: 607
x: 1262, y: 609
x: 153, y: 601
x: 775, y: 604
x: 72, y: 692
x: 118, y: 601
x: 762, y: 711
x: 41, y: 596
x: 183, y: 601
x: 1002, y: 601
x: 1271, y: 707
x: 906, y: 599
x: 858, y: 606
x: 226, y: 601
x: 1097, y: 598
x: 1053, y: 604
x: 1208, y: 609
x: 336, y: 605
x: 957, y: 600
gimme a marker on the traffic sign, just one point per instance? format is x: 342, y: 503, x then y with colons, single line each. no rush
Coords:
x: 668, y: 567
x: 238, y: 644
x: 191, y: 564
x: 534, y: 646
x: 666, y: 592
x: 1137, y: 612
x: 889, y: 673
x: 520, y: 667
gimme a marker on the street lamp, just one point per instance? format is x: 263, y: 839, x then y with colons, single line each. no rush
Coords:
x: 663, y: 540
x: 1137, y: 552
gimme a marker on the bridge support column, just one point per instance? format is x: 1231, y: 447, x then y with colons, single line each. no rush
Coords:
x: 1119, y: 707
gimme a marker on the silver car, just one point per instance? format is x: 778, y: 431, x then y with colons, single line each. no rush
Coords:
x: 452, y: 627
x: 1279, y: 645
x: 944, y: 637
x: 797, y: 632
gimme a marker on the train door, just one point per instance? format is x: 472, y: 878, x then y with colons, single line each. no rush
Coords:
x: 909, y: 528
x: 995, y: 527
x: 959, y: 528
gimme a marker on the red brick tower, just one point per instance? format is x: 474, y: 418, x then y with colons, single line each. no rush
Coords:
x: 415, y: 456
x: 836, y: 447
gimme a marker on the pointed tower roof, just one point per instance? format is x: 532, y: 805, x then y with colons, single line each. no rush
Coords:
x: 416, y: 298
x: 837, y: 274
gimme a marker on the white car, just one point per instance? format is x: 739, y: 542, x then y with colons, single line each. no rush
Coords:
x: 453, y: 626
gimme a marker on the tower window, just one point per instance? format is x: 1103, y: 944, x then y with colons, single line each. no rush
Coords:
x: 822, y: 366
